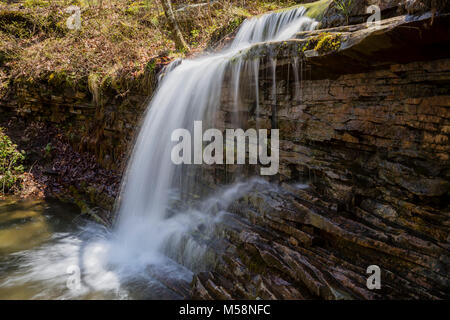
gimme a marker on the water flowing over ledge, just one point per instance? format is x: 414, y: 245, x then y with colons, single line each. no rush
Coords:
x: 157, y: 238
x: 188, y: 92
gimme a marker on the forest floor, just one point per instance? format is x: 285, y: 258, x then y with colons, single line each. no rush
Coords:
x: 52, y: 168
x: 38, y: 37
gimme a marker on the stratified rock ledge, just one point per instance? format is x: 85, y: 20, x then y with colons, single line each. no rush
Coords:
x: 370, y: 136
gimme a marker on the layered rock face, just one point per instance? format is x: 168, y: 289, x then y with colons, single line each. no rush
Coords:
x: 98, y: 116
x: 369, y: 141
x: 95, y: 119
x: 81, y: 128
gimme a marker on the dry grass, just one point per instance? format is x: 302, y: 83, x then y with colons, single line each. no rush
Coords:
x: 116, y: 35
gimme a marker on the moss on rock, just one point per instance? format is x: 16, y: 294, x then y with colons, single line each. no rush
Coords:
x: 316, y: 10
x: 325, y: 42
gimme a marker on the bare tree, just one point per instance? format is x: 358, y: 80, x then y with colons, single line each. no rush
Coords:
x: 180, y: 43
x: 209, y: 11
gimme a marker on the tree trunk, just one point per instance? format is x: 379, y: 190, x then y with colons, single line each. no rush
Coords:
x: 209, y: 11
x: 180, y: 43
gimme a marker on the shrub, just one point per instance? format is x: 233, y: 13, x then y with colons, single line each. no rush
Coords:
x: 345, y: 7
x: 11, y: 168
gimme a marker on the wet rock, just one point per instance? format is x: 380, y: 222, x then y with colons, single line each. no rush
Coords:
x: 371, y: 140
x: 357, y: 12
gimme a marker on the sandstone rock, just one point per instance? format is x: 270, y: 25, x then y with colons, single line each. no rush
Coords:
x: 371, y: 141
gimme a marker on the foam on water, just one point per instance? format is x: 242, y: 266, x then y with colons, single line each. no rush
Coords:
x: 189, y: 92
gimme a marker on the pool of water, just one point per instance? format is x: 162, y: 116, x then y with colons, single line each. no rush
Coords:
x: 49, y: 251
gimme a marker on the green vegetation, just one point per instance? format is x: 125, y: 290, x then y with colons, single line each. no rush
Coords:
x: 116, y: 36
x: 316, y: 9
x: 328, y: 42
x: 344, y: 6
x: 48, y: 149
x: 323, y: 43
x: 11, y: 168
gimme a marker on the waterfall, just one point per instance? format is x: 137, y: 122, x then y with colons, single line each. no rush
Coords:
x: 158, y: 241
x: 296, y: 97
x: 189, y: 91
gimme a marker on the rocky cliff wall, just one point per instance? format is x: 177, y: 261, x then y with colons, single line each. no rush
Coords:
x: 77, y: 135
x: 364, y: 170
x: 97, y: 117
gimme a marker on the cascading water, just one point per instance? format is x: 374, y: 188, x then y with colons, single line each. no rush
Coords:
x: 152, y: 238
x: 189, y: 92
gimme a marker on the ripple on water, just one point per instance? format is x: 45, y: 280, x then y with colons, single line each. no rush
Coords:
x: 44, y: 244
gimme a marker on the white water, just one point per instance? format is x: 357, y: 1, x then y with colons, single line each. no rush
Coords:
x: 189, y: 92
x: 108, y: 268
x: 152, y: 240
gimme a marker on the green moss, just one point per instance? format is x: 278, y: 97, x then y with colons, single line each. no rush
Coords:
x: 135, y: 7
x: 151, y: 65
x: 61, y: 79
x: 323, y: 43
x: 94, y: 81
x: 328, y: 42
x: 316, y: 10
